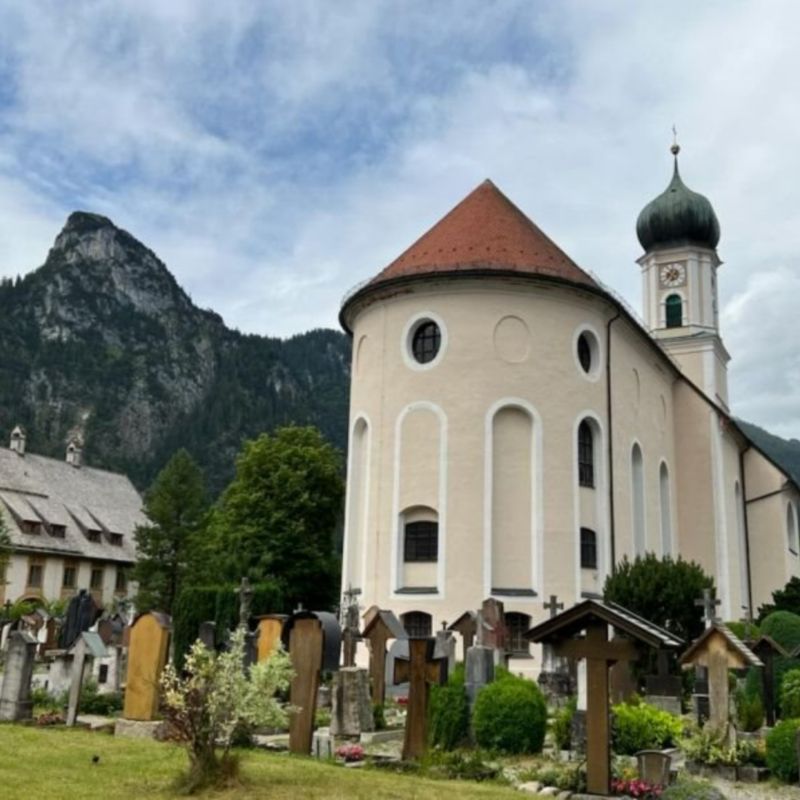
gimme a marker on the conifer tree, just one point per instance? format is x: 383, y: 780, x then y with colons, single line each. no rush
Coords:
x: 169, y: 546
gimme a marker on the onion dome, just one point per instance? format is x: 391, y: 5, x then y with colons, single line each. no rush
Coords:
x: 677, y: 217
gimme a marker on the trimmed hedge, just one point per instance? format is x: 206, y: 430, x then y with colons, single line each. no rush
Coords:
x: 449, y: 712
x: 219, y: 604
x: 782, y: 750
x: 643, y: 727
x: 783, y: 627
x: 510, y: 715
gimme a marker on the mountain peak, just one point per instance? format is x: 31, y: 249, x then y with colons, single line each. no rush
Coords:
x: 86, y: 222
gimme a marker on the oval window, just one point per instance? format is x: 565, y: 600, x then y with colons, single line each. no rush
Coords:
x: 585, y: 352
x: 426, y: 341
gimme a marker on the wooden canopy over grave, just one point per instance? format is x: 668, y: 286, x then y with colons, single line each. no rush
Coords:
x: 582, y: 632
x: 380, y: 626
x: 718, y: 649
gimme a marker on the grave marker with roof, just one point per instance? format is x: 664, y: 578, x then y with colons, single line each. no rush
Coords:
x: 87, y: 647
x: 581, y: 632
x: 718, y: 649
x: 314, y: 641
x: 467, y: 626
x: 379, y: 628
x: 767, y: 650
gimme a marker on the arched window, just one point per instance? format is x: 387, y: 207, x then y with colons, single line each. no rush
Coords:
x: 417, y: 623
x: 585, y: 455
x: 517, y: 625
x: 666, y: 511
x: 673, y: 306
x: 425, y: 342
x: 588, y: 549
x: 421, y: 541
x: 637, y: 491
x: 791, y: 527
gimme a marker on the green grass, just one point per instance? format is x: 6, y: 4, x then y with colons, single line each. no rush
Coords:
x: 56, y: 764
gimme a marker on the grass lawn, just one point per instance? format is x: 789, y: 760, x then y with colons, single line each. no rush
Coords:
x: 56, y: 764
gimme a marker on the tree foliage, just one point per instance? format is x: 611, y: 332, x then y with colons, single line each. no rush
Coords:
x: 277, y: 518
x: 784, y: 628
x: 169, y: 547
x: 662, y: 591
x: 786, y: 599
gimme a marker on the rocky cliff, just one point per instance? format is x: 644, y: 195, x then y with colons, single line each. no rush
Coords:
x: 102, y: 343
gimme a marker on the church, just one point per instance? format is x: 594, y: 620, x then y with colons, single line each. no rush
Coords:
x: 515, y: 430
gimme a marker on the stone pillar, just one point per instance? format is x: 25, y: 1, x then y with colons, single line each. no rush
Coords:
x: 15, y: 697
x: 479, y: 670
x: 351, y: 711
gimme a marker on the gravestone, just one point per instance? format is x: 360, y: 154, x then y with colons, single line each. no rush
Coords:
x: 582, y: 632
x: 421, y: 670
x: 147, y: 657
x: 555, y: 678
x: 467, y: 626
x: 245, y: 593
x: 15, y: 696
x: 351, y: 708
x: 398, y: 650
x: 622, y: 682
x: 322, y: 744
x: 269, y: 629
x: 314, y: 644
x: 82, y: 613
x: 664, y: 690
x: 446, y: 647
x: 492, y: 629
x: 350, y: 625
x: 478, y: 670
x: 88, y: 646
x: 767, y: 650
x: 207, y: 634
x: 718, y: 650
x: 379, y: 628
x: 654, y: 767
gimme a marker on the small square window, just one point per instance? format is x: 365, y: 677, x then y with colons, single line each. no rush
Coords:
x: 70, y: 577
x: 421, y: 541
x: 96, y: 581
x: 35, y: 575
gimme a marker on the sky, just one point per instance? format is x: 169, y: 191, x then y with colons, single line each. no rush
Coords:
x: 275, y: 154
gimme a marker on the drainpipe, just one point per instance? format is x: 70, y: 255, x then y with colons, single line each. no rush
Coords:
x: 746, y: 530
x: 610, y: 417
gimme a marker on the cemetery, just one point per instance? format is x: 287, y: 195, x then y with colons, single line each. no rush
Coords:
x: 622, y: 707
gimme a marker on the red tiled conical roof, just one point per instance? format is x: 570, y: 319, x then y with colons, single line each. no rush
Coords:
x: 485, y: 231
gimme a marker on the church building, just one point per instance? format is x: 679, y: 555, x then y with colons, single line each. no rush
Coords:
x: 515, y: 430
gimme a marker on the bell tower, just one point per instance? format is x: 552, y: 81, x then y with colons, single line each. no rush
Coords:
x: 679, y: 233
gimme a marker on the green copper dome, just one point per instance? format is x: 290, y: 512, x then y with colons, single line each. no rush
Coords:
x: 677, y: 217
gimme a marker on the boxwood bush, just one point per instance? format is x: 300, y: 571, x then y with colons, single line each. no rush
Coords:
x: 510, y: 715
x: 449, y: 712
x: 638, y: 726
x: 782, y: 750
x: 783, y: 627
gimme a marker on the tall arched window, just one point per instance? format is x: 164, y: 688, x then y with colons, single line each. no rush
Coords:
x: 421, y: 541
x: 585, y: 455
x: 588, y: 549
x: 517, y: 625
x: 637, y: 492
x: 744, y: 575
x: 673, y: 306
x: 417, y: 623
x: 791, y: 527
x: 666, y: 511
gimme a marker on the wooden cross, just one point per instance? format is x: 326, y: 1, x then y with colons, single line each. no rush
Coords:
x: 305, y: 651
x: 245, y: 601
x: 553, y: 606
x: 467, y: 626
x: 600, y: 654
x: 376, y: 633
x: 420, y: 671
x: 350, y: 623
x: 708, y: 603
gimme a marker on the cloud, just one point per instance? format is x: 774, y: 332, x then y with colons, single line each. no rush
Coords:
x: 275, y: 154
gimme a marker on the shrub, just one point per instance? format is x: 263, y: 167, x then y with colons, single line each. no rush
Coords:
x: 92, y: 702
x: 41, y: 698
x: 379, y: 717
x: 783, y: 627
x: 449, y: 712
x: 468, y: 765
x: 510, y: 715
x: 708, y: 746
x: 643, y: 727
x: 562, y: 725
x: 746, y: 631
x: 790, y: 694
x: 749, y: 710
x: 782, y: 750
x: 692, y: 789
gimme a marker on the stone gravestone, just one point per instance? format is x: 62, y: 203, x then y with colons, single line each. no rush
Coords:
x: 664, y: 690
x: 314, y: 644
x: 350, y: 624
x: 379, y: 628
x: 719, y: 650
x: 82, y: 613
x: 398, y: 651
x: 467, y: 626
x: 555, y: 678
x: 269, y: 629
x: 147, y: 657
x: 421, y: 670
x: 88, y: 646
x: 492, y: 629
x: 351, y: 708
x: 207, y: 634
x: 478, y: 670
x: 15, y: 696
x: 446, y: 647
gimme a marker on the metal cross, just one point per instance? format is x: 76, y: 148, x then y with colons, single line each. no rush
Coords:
x: 708, y: 604
x: 245, y: 601
x: 553, y: 606
x: 299, y: 608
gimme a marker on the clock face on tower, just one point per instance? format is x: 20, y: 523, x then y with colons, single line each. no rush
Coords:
x: 673, y: 275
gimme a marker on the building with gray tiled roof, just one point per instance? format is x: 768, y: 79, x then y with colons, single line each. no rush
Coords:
x: 71, y: 526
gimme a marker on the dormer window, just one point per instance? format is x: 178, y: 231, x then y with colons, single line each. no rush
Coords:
x: 58, y: 531
x: 116, y: 539
x: 30, y: 526
x: 94, y: 535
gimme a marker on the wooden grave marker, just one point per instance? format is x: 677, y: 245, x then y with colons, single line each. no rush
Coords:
x: 87, y: 646
x: 718, y: 649
x: 380, y: 627
x: 147, y: 657
x: 592, y: 619
x: 421, y: 670
x: 314, y: 643
x: 269, y: 628
x: 467, y: 626
x: 767, y: 650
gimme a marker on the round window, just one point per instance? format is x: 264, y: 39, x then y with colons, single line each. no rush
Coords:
x: 585, y: 352
x: 426, y: 341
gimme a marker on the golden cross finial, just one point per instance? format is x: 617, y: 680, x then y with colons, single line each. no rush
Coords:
x: 676, y: 148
